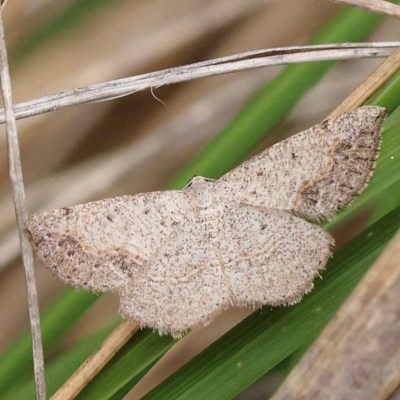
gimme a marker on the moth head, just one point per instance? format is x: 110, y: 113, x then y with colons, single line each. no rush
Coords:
x: 199, y: 186
x: 197, y: 181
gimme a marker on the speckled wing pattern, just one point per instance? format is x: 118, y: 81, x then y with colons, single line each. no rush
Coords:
x: 314, y: 173
x: 176, y: 258
x: 227, y: 254
x: 269, y: 256
x: 101, y: 245
x: 183, y: 285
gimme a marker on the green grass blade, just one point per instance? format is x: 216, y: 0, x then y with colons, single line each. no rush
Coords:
x: 273, y: 102
x: 263, y: 344
x: 268, y: 336
x: 135, y: 357
x: 63, y: 23
x: 131, y: 363
x: 388, y: 96
x: 60, y: 369
x: 16, y: 362
x: 264, y: 339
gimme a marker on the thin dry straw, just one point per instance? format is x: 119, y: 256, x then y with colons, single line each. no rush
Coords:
x: 18, y: 192
x: 239, y: 62
x: 377, y: 6
x: 93, y: 365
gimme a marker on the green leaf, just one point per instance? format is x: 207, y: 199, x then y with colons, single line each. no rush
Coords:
x: 124, y: 371
x: 60, y: 316
x: 51, y: 29
x: 60, y: 369
x: 388, y: 96
x: 273, y: 102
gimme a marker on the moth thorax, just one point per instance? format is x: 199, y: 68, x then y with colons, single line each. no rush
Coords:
x: 204, y: 198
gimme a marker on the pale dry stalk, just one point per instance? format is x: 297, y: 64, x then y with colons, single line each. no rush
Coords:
x: 371, y: 85
x: 377, y: 6
x: 85, y: 373
x: 239, y: 62
x: 18, y: 192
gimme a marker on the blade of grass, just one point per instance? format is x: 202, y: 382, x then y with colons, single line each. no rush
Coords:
x: 90, y: 368
x: 21, y: 213
x: 388, y: 96
x: 343, y: 351
x: 387, y: 200
x: 59, y: 317
x: 261, y: 350
x: 137, y: 356
x: 373, y: 84
x: 389, y: 99
x: 377, y: 6
x: 273, y: 102
x: 58, y: 370
x: 72, y: 14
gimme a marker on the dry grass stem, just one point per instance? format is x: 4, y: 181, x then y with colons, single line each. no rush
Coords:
x: 240, y: 62
x: 18, y: 192
x: 371, y: 85
x: 85, y: 373
x: 359, y: 349
x: 377, y: 6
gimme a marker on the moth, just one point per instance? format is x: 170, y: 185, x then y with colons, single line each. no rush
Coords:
x: 177, y: 258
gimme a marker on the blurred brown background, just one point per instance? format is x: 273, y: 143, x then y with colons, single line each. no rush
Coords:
x: 136, y: 143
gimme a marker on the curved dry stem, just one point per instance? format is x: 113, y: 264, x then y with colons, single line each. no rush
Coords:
x: 371, y: 85
x: 377, y: 6
x: 88, y: 370
x: 239, y: 62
